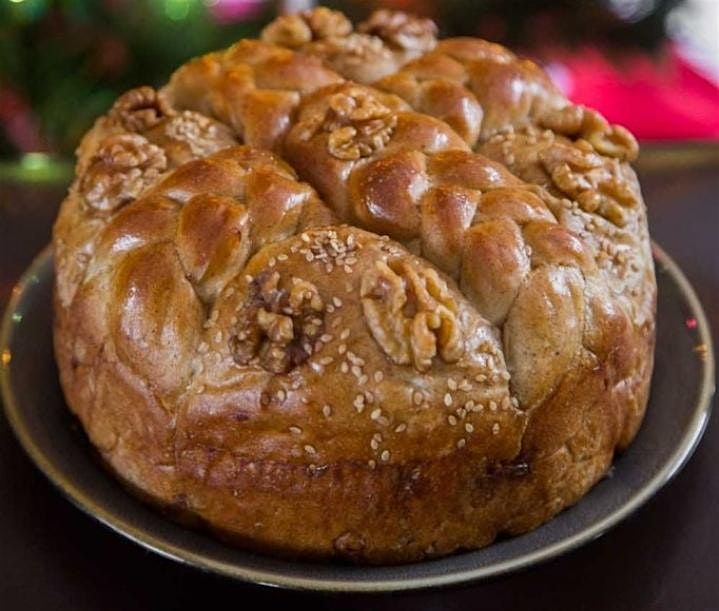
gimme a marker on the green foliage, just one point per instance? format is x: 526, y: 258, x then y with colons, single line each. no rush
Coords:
x: 67, y: 60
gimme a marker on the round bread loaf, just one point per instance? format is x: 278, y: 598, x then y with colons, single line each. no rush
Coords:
x: 442, y: 335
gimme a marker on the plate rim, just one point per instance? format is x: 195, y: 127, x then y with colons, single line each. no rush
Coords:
x: 268, y: 577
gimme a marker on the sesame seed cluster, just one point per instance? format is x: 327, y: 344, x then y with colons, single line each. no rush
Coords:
x: 339, y: 397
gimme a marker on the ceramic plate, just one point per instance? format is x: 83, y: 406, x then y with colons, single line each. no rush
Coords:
x: 677, y: 415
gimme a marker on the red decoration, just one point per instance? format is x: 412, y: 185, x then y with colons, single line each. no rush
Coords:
x: 657, y: 99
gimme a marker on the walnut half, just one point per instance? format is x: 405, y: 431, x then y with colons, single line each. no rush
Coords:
x: 411, y: 314
x: 140, y: 109
x: 580, y: 122
x: 358, y: 124
x: 401, y: 30
x: 122, y: 168
x: 295, y: 30
x: 277, y: 328
x: 594, y: 182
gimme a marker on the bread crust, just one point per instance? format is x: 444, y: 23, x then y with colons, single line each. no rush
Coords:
x: 442, y: 335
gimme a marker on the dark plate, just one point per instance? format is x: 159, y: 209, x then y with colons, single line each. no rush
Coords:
x: 678, y: 412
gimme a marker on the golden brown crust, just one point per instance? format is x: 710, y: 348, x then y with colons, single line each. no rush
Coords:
x: 447, y: 346
x: 479, y: 88
x: 380, y: 46
x: 253, y: 87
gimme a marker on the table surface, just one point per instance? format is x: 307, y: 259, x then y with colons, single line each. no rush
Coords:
x: 665, y: 556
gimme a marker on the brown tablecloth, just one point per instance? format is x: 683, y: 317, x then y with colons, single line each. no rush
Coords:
x: 664, y: 557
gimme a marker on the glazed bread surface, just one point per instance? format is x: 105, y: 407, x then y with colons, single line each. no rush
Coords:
x: 356, y: 293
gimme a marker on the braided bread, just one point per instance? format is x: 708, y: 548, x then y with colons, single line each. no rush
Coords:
x: 443, y: 334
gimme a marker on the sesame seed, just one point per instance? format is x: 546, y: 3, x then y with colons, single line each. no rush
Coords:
x: 203, y: 347
x: 417, y: 397
x: 495, y: 428
x: 200, y: 389
x: 327, y: 411
x: 374, y: 444
x: 272, y: 262
x: 310, y: 449
x: 282, y: 257
x: 337, y: 302
x: 356, y: 371
x: 342, y: 348
x: 347, y: 268
x: 344, y: 368
x: 326, y: 338
x: 400, y: 427
x: 452, y: 420
x: 376, y: 413
x: 218, y: 337
x: 505, y: 376
x: 378, y: 376
x: 493, y: 406
x: 451, y: 384
x: 469, y: 405
x: 330, y: 308
x: 369, y: 395
x: 233, y: 320
x: 383, y: 420
x: 465, y: 386
x: 480, y: 378
x: 295, y: 430
x: 354, y: 359
x: 362, y: 379
x: 372, y: 464
x: 345, y: 334
x: 461, y: 443
x: 248, y: 278
x: 326, y: 360
x: 468, y: 427
x: 377, y: 436
x: 281, y: 395
x: 385, y: 456
x: 447, y: 399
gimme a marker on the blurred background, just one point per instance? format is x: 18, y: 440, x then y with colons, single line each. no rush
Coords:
x: 652, y: 65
